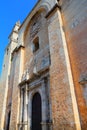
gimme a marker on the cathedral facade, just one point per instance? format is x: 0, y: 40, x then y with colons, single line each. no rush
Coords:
x: 44, y: 77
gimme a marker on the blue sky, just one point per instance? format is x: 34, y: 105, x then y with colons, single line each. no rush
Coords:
x: 10, y: 12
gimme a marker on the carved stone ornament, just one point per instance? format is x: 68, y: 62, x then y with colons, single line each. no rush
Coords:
x: 35, y: 26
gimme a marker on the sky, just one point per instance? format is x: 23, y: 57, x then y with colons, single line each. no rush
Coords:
x: 10, y: 12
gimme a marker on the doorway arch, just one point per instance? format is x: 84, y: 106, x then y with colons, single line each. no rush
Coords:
x: 8, y: 120
x: 36, y: 112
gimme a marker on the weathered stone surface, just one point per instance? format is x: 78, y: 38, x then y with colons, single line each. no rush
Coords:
x: 53, y: 70
x: 75, y: 23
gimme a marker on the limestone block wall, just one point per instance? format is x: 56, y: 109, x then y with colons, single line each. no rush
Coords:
x: 5, y: 79
x: 65, y: 41
x: 10, y: 90
x: 6, y: 73
x: 64, y: 106
x: 74, y: 14
x: 11, y: 80
x: 4, y: 86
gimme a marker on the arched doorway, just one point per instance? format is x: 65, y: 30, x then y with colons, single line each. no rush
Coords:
x: 36, y: 112
x: 8, y: 121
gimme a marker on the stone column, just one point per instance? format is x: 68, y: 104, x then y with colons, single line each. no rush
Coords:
x: 44, y: 107
x: 6, y: 121
x: 29, y: 110
x: 21, y: 106
x: 26, y: 109
x: 49, y: 111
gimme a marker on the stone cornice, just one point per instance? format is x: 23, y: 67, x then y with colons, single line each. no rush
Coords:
x: 23, y: 82
x: 54, y: 7
x: 17, y: 49
x: 31, y: 79
x: 13, y: 31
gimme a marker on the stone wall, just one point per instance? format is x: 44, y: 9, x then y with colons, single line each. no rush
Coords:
x: 5, y: 78
x: 74, y: 14
x: 16, y: 93
x: 61, y: 84
x: 61, y: 53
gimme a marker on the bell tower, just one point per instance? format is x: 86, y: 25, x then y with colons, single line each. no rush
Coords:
x: 13, y: 41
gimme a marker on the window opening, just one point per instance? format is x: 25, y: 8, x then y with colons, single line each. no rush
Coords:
x: 36, y: 44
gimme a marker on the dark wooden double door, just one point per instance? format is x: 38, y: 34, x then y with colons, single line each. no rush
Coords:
x: 36, y: 112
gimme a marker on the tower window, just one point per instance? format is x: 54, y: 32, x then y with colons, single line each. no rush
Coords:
x: 35, y: 44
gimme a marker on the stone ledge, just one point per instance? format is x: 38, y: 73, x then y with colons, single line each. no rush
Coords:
x: 55, y: 6
x: 16, y: 50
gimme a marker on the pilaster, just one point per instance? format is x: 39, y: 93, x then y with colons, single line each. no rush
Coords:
x: 64, y: 106
x: 19, y: 54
